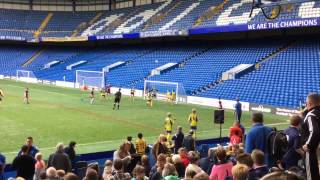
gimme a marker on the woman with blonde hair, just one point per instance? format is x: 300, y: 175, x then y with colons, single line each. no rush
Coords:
x: 123, y: 153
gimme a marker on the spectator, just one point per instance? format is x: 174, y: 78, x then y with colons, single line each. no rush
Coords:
x: 259, y: 167
x: 295, y: 152
x: 146, y: 164
x: 160, y: 146
x: 311, y: 136
x: 178, y: 139
x: 169, y: 160
x: 257, y: 136
x: 240, y: 172
x: 223, y: 168
x: 194, y: 158
x: 70, y: 176
x: 238, y: 111
x: 60, y: 174
x: 245, y: 158
x: 119, y: 174
x: 190, y: 175
x: 169, y: 172
x: 139, y: 173
x: 281, y: 175
x: 184, y: 156
x: 123, y: 154
x: 2, y: 166
x: 207, y: 163
x: 189, y: 142
x: 95, y: 166
x: 52, y: 174
x: 132, y: 149
x: 43, y: 175
x: 24, y: 164
x: 39, y: 167
x: 156, y: 170
x: 181, y: 169
x: 236, y: 134
x: 32, y: 150
x: 91, y: 174
x: 59, y: 159
x: 70, y: 151
x: 107, y: 171
x: 141, y: 145
x: 201, y: 176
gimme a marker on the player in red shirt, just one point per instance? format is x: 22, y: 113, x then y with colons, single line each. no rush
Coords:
x: 26, y: 96
x: 236, y: 134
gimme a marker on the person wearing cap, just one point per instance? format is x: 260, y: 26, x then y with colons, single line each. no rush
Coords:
x: 193, y: 120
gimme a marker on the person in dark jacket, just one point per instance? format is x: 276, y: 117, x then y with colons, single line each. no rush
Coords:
x: 24, y: 164
x: 2, y: 166
x: 32, y: 150
x: 178, y: 139
x: 311, y: 135
x: 70, y: 151
x: 189, y: 142
x: 60, y: 160
x: 160, y: 147
x: 207, y: 163
x: 259, y: 167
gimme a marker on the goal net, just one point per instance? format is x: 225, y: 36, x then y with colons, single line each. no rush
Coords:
x: 90, y: 78
x: 160, y: 90
x: 24, y: 74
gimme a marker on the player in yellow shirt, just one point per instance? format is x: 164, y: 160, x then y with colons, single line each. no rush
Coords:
x: 168, y: 96
x: 173, y: 98
x: 168, y: 123
x: 193, y: 120
x: 103, y: 94
x: 1, y: 95
x: 149, y: 99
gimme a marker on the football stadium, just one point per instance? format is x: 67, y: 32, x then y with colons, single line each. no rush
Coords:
x: 159, y: 89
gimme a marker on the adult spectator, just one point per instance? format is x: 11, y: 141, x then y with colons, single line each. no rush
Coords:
x: 238, y: 110
x: 245, y: 158
x: 190, y: 175
x: 123, y: 154
x: 95, y: 166
x: 39, y: 167
x: 139, y: 173
x: 194, y: 158
x: 91, y: 174
x: 207, y: 163
x: 311, y: 136
x: 295, y: 152
x: 178, y: 140
x: 32, y: 150
x: 119, y: 173
x: 257, y: 136
x: 107, y: 171
x: 156, y: 170
x: 259, y: 167
x: 223, y: 168
x: 240, y: 172
x: 146, y: 164
x: 132, y: 148
x: 281, y: 175
x: 59, y: 159
x: 160, y: 146
x: 60, y: 174
x: 52, y: 174
x: 183, y: 153
x: 201, y: 176
x: 2, y: 166
x: 181, y: 169
x: 236, y: 134
x: 141, y: 146
x: 189, y: 142
x: 169, y: 172
x: 71, y: 176
x: 24, y: 164
x: 71, y: 152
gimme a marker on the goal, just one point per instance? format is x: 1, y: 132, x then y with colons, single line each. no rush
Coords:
x: 90, y: 78
x: 24, y: 74
x: 161, y: 88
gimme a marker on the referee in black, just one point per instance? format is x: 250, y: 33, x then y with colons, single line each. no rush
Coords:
x: 311, y: 136
x: 117, y: 99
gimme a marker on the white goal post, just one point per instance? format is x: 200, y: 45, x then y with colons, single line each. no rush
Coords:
x: 161, y: 88
x: 24, y: 74
x: 90, y: 78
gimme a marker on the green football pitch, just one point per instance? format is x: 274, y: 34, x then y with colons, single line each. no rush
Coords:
x: 61, y: 115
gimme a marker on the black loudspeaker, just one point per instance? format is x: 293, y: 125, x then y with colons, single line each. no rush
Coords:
x: 219, y: 116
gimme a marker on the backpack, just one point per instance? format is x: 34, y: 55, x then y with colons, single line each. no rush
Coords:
x: 277, y: 145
